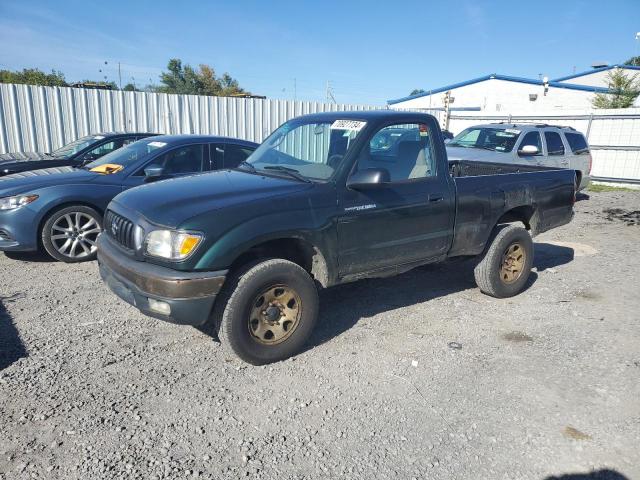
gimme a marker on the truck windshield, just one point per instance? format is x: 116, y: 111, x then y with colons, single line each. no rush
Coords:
x: 311, y: 149
x: 128, y: 155
x: 488, y: 138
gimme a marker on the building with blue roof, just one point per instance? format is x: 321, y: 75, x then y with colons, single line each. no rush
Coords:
x: 505, y: 93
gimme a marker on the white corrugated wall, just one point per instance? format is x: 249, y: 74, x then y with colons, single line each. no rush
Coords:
x: 34, y: 118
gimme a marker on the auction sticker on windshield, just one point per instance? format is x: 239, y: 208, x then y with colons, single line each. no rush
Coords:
x: 355, y: 125
x: 157, y: 144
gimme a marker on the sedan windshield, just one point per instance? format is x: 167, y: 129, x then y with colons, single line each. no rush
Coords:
x: 76, y: 146
x: 306, y: 149
x: 127, y: 155
x: 488, y: 138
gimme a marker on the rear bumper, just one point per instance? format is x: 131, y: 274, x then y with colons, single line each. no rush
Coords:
x: 190, y: 295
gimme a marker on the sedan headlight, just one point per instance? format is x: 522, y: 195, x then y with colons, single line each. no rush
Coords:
x: 171, y: 244
x: 11, y: 203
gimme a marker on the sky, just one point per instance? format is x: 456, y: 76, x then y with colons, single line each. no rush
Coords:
x: 368, y: 52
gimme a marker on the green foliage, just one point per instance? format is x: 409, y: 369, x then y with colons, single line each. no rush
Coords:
x: 417, y: 91
x: 624, y: 90
x: 634, y: 61
x: 33, y: 76
x: 178, y: 78
x: 187, y: 80
x: 599, y: 187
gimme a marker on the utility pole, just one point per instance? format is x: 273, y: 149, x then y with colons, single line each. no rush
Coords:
x: 295, y: 90
x: 330, y: 97
x: 447, y: 102
x: 119, y: 76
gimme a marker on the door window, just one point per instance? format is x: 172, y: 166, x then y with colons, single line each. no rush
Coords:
x: 533, y: 139
x: 235, y: 154
x: 554, y: 143
x: 187, y: 159
x: 103, y: 149
x: 404, y: 150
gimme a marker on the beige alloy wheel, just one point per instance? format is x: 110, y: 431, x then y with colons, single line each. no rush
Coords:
x: 275, y: 315
x: 513, y: 262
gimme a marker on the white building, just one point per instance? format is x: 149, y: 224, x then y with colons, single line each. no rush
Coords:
x: 597, y: 77
x: 503, y: 93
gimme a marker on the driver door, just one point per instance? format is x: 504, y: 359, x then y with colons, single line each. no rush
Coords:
x: 407, y: 220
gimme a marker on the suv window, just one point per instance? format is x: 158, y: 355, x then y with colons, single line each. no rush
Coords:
x: 554, y: 143
x: 187, y: 159
x: 532, y: 138
x: 235, y: 154
x: 403, y: 150
x: 577, y: 142
x: 105, y: 148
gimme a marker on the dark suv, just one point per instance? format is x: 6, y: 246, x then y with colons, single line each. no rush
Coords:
x: 74, y: 154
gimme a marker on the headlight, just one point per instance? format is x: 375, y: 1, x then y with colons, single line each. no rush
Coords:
x: 11, y: 203
x: 171, y: 244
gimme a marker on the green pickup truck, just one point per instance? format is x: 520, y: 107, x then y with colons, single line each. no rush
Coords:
x: 326, y: 199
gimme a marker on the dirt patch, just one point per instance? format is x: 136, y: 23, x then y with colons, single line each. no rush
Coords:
x: 589, y: 295
x: 517, y: 337
x: 629, y: 217
x: 579, y: 249
x: 575, y: 434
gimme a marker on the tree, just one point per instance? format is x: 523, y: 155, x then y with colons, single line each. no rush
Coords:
x: 130, y: 87
x: 624, y: 91
x: 634, y: 61
x: 417, y: 91
x: 186, y: 80
x: 33, y: 76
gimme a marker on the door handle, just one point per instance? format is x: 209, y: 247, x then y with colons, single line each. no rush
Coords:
x: 435, y: 198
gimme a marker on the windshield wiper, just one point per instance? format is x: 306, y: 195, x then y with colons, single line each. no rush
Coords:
x: 292, y: 172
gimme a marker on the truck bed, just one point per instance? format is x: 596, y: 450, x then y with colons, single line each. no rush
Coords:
x: 488, y: 192
x: 472, y: 168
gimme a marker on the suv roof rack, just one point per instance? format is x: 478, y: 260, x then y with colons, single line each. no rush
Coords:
x: 545, y: 125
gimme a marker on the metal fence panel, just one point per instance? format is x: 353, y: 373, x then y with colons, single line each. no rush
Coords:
x: 34, y: 118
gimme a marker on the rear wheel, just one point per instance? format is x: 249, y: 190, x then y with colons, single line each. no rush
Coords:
x: 269, y: 310
x: 69, y: 235
x: 505, y: 266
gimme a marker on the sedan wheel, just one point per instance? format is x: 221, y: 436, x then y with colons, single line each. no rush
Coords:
x: 70, y: 235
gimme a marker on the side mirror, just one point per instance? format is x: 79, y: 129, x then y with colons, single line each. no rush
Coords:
x: 152, y: 172
x: 369, y: 178
x: 528, y: 150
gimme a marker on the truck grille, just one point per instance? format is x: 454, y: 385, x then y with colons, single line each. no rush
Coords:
x: 120, y: 229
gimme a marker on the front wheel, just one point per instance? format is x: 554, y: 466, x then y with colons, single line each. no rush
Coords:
x: 506, y: 264
x: 69, y: 235
x: 270, y: 310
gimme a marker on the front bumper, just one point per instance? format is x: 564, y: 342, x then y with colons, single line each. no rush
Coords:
x: 19, y: 230
x: 190, y: 295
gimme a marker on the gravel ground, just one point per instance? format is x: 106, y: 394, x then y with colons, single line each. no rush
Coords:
x: 417, y: 376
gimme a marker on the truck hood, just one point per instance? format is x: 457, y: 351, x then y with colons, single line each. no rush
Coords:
x: 470, y: 153
x: 23, y: 157
x: 34, y: 179
x: 172, y: 202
